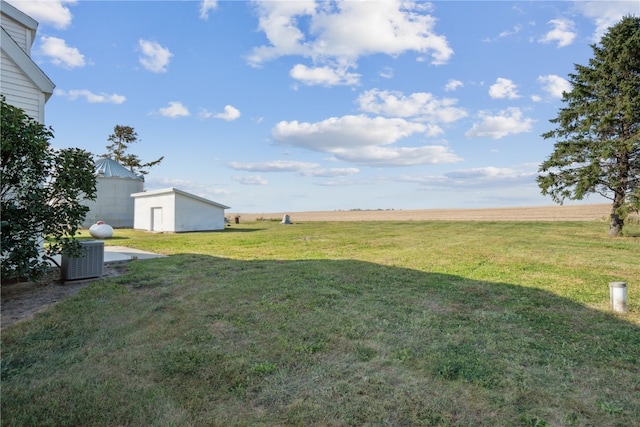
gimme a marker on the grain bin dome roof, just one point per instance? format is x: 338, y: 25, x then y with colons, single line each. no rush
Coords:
x: 111, y: 168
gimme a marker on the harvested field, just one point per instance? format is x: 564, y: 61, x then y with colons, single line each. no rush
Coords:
x: 593, y: 212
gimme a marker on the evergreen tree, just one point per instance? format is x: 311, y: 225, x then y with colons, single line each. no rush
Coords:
x: 597, y: 148
x: 120, y: 139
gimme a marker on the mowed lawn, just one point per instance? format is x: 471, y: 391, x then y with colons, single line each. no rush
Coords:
x: 342, y: 323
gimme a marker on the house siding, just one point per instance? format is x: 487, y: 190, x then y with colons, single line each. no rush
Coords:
x: 20, y: 34
x: 19, y: 90
x: 22, y: 82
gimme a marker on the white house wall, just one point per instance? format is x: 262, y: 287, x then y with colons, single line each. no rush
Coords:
x: 195, y: 215
x: 114, y: 204
x: 19, y: 90
x: 18, y: 32
x: 22, y: 82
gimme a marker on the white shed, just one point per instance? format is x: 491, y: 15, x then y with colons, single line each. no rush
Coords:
x: 114, y: 186
x: 175, y: 211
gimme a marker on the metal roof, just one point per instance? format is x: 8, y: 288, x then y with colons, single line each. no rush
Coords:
x: 112, y: 169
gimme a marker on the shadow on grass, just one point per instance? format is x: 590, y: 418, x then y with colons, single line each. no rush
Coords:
x: 240, y: 230
x: 115, y: 237
x: 201, y: 340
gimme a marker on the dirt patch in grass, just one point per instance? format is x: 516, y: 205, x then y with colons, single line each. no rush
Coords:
x: 23, y: 300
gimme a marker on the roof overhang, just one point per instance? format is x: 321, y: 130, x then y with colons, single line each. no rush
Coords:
x: 26, y: 64
x: 20, y: 17
x: 173, y: 190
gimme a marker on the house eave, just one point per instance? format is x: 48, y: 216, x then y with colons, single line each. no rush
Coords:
x: 178, y: 191
x: 26, y: 64
x: 20, y: 17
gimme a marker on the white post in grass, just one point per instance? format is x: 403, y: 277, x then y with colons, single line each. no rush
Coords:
x: 618, y: 296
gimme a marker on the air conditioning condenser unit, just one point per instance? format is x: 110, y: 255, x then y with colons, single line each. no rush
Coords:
x: 88, y: 265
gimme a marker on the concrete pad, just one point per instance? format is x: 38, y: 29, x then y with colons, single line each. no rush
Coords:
x: 120, y: 254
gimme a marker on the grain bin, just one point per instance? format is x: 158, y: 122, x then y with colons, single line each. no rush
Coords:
x: 114, y: 186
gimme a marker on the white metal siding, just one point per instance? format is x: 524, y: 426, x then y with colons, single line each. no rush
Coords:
x: 181, y: 212
x: 19, y: 90
x: 195, y: 215
x: 114, y: 204
x: 144, y: 205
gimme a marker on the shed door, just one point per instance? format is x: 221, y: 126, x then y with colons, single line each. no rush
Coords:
x: 156, y: 219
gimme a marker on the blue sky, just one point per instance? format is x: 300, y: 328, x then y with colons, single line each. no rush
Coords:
x: 285, y: 106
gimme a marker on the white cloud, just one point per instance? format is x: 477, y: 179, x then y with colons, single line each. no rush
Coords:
x: 61, y: 54
x: 155, y: 58
x: 397, y: 156
x: 205, y: 114
x: 330, y: 172
x: 563, y: 32
x: 503, y: 88
x: 336, y: 34
x: 174, y: 110
x: 390, y: 27
x: 504, y: 34
x: 50, y: 12
x: 230, y: 113
x: 515, y: 30
x: 273, y: 166
x: 250, y: 180
x: 554, y: 85
x: 364, y: 140
x: 453, y: 85
x: 206, y: 6
x: 278, y: 20
x: 508, y: 122
x: 325, y: 76
x: 301, y: 168
x: 420, y: 105
x: 338, y: 183
x: 347, y: 131
x: 93, y: 98
x: 481, y: 177
x: 474, y: 178
x: 386, y: 73
x: 606, y: 13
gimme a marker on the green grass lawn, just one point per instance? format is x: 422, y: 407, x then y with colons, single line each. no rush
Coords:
x: 342, y: 323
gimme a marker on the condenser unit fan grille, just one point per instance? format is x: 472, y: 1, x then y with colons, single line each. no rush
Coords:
x: 88, y: 265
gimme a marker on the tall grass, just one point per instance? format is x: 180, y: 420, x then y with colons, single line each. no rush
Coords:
x: 418, y: 323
